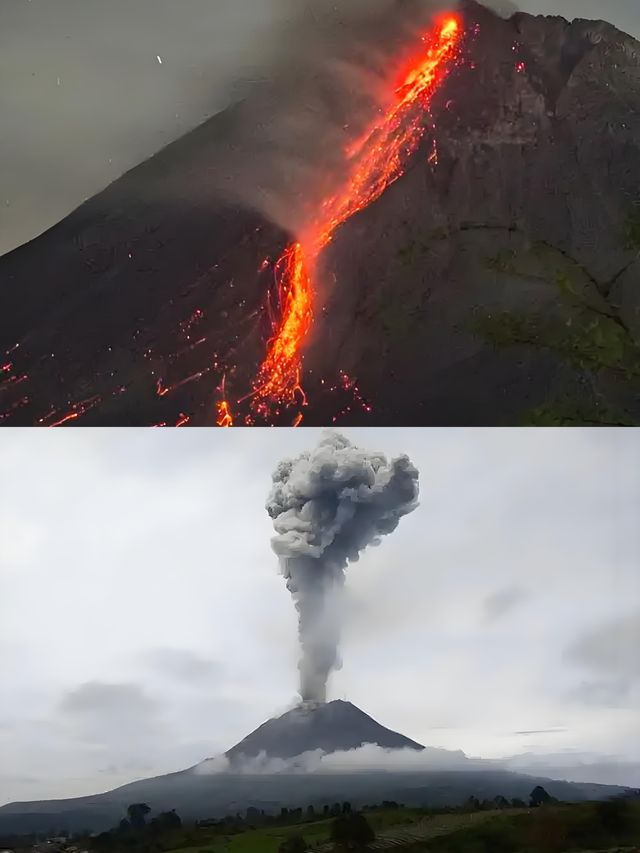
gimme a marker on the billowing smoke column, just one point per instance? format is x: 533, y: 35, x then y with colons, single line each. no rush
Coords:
x: 327, y: 506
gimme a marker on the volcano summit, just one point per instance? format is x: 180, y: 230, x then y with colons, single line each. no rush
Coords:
x: 475, y: 262
x: 336, y: 726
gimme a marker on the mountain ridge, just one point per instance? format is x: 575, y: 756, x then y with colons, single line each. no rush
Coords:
x: 204, y: 796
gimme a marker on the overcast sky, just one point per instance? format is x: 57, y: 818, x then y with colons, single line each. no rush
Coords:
x: 144, y: 625
x: 84, y: 97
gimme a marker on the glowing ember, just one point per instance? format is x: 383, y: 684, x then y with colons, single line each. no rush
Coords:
x: 225, y: 418
x: 162, y: 390
x: 374, y: 162
x: 70, y: 417
x: 77, y: 410
x: 279, y: 377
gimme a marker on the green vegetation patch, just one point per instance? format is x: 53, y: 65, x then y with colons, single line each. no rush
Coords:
x: 265, y: 840
x: 593, y: 338
x: 496, y: 826
x: 632, y: 231
x: 565, y: 414
x: 609, y: 825
x: 589, y: 342
x: 381, y: 819
x: 503, y: 262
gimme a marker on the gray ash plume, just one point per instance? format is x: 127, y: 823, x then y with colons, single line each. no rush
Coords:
x: 327, y: 506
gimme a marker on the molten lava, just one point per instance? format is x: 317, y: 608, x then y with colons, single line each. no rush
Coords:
x: 374, y: 162
x: 280, y: 374
x: 225, y: 418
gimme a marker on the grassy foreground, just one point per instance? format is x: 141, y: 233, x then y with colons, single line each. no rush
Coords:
x: 550, y: 829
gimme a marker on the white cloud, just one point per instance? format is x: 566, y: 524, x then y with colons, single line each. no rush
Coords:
x: 20, y: 542
x: 369, y: 756
x: 153, y: 568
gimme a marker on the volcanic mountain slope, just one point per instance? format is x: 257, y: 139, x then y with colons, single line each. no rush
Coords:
x: 204, y: 791
x: 332, y: 727
x: 197, y: 797
x: 496, y: 282
x: 503, y: 285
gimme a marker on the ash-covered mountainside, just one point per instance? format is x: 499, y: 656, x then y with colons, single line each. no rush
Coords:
x: 332, y: 727
x: 496, y: 282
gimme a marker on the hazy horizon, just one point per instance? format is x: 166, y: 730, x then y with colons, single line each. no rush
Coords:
x: 144, y: 625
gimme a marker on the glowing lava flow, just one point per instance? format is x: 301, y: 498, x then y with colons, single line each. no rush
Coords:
x: 280, y: 374
x: 374, y: 162
x: 225, y: 418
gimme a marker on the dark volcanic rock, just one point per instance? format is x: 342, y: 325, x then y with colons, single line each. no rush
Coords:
x: 499, y: 286
x: 331, y: 727
x: 502, y: 286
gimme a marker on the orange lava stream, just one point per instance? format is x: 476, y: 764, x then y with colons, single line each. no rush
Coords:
x: 280, y: 374
x: 375, y: 161
x: 225, y: 418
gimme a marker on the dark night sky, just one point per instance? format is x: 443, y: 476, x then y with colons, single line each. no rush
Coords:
x: 84, y: 97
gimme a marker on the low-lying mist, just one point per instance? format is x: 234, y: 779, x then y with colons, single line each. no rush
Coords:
x: 570, y: 766
x: 368, y: 757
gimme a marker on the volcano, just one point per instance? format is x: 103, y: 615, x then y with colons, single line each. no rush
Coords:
x: 248, y: 781
x: 331, y: 727
x: 478, y: 266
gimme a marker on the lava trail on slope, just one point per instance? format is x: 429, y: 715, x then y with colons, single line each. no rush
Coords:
x: 375, y: 161
x: 86, y: 366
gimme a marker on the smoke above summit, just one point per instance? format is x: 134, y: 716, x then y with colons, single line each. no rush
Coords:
x: 327, y: 506
x: 332, y: 69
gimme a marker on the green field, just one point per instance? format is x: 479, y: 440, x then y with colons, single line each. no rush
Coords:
x: 552, y: 829
x: 584, y: 827
x: 267, y: 840
x: 393, y: 828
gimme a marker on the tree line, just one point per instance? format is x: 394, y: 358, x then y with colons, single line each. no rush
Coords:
x: 349, y: 829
